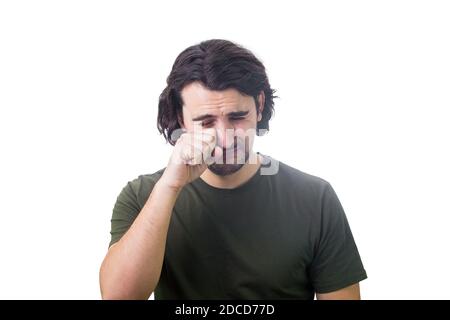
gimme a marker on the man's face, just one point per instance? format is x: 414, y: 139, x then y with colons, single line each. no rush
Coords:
x: 233, y: 115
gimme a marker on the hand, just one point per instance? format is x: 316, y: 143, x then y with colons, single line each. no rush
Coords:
x: 191, y: 155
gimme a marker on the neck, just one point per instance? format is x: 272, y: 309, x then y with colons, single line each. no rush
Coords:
x: 236, y: 179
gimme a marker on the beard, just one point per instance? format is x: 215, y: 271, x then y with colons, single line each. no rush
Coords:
x: 233, y: 160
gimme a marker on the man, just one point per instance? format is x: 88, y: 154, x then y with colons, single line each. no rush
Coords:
x: 221, y: 221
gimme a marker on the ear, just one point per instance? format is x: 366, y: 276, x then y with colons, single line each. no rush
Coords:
x: 261, y: 102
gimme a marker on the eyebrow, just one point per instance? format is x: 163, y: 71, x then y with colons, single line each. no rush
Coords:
x: 231, y: 114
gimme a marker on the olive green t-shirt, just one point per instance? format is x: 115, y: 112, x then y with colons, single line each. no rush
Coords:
x: 281, y: 236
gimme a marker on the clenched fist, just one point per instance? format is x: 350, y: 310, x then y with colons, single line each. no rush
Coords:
x: 192, y: 153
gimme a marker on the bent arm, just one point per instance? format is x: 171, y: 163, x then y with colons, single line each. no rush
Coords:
x: 132, y: 266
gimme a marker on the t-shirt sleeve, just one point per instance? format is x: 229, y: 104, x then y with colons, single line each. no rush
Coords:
x: 125, y: 212
x: 336, y: 263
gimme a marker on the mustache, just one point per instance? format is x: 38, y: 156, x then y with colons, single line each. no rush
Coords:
x: 243, y: 145
x: 237, y: 145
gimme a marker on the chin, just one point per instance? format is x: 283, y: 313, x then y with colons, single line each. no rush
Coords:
x: 224, y: 169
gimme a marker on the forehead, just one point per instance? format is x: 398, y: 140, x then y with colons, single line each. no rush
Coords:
x: 198, y: 99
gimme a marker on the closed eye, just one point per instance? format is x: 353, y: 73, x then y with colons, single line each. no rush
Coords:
x: 237, y: 118
x: 207, y: 123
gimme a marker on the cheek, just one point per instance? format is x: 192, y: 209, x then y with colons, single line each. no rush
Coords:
x: 246, y: 130
x: 245, y: 127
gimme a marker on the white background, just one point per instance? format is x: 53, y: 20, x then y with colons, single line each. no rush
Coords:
x: 364, y: 92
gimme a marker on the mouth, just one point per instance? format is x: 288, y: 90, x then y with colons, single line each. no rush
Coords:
x: 231, y: 156
x: 225, y: 151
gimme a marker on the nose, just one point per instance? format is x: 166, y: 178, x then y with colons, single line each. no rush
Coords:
x: 225, y: 134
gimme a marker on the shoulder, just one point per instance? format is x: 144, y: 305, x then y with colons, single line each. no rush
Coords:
x: 148, y: 179
x: 140, y: 187
x: 301, y: 182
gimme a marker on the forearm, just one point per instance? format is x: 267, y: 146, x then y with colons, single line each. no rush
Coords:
x: 132, y: 267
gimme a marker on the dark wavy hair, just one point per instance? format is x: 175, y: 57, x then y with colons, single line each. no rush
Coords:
x: 218, y: 65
